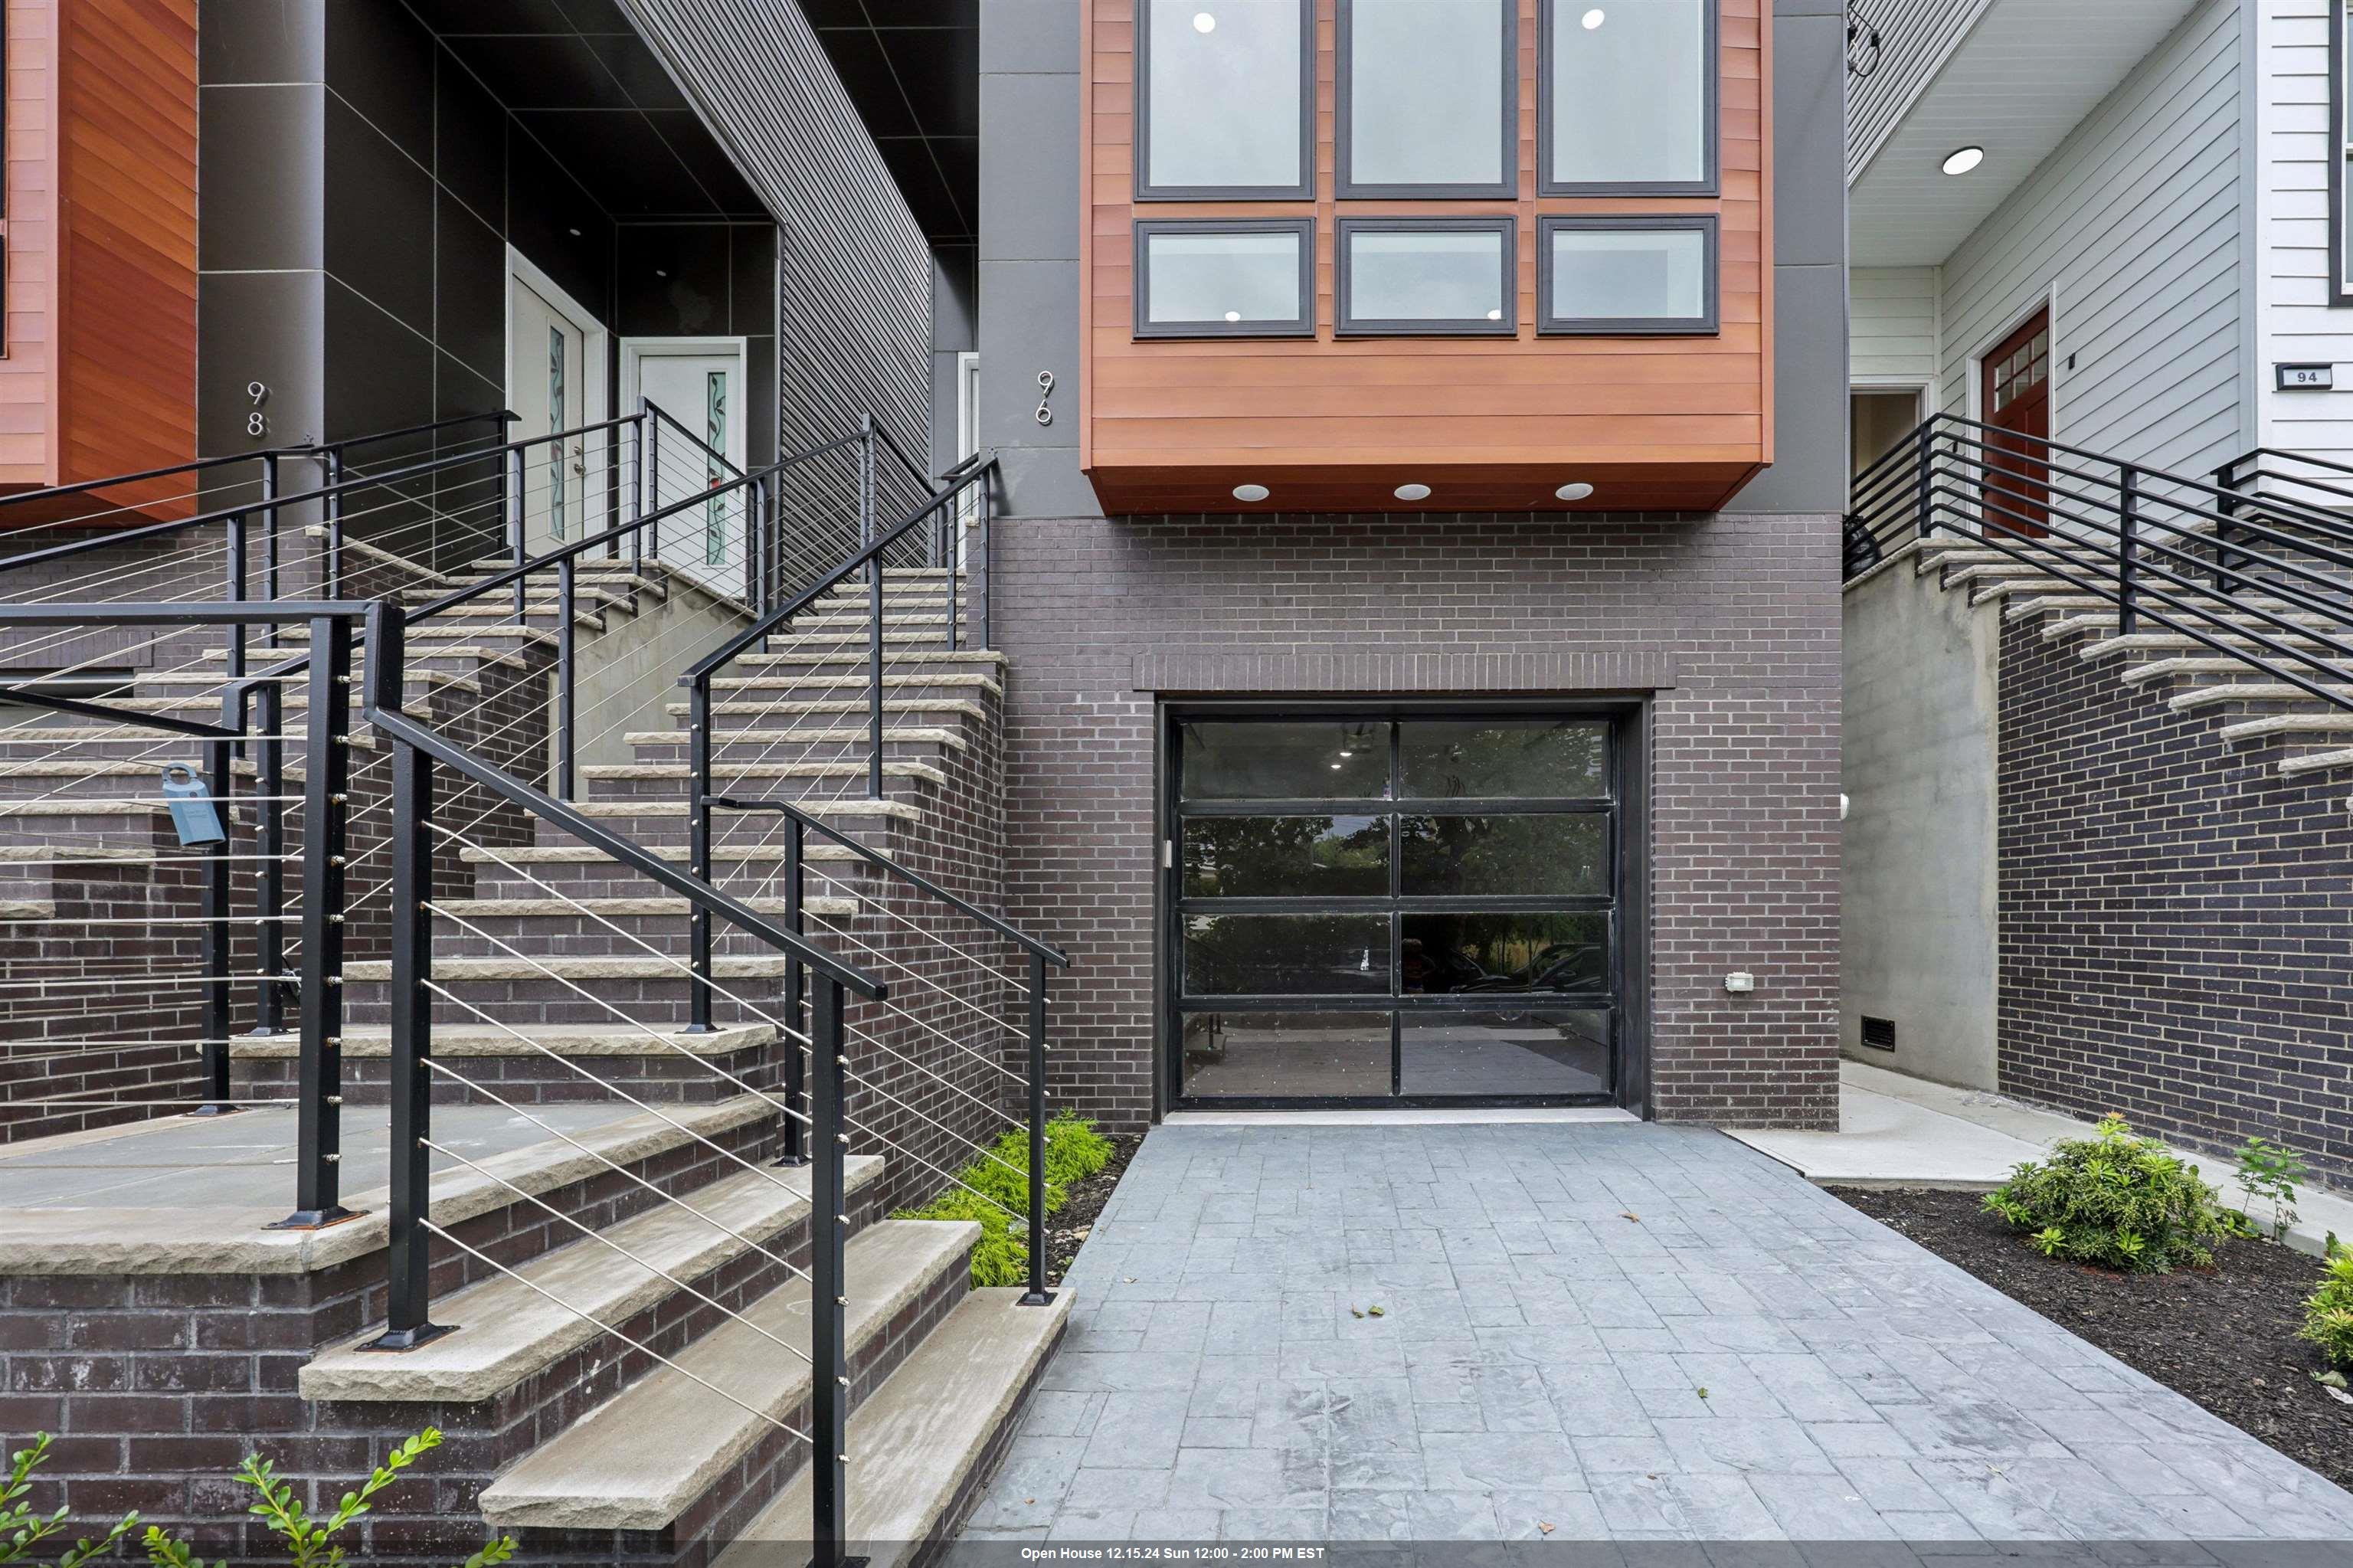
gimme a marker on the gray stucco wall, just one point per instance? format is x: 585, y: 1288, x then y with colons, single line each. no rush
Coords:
x: 1918, y: 912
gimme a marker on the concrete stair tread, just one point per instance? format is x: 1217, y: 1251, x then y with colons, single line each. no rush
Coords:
x: 917, y: 1438
x: 642, y: 1458
x: 960, y: 705
x: 2319, y: 721
x: 905, y: 678
x: 2160, y: 668
x: 553, y: 906
x: 860, y: 807
x: 577, y: 968
x: 365, y: 1042
x: 2315, y: 762
x: 427, y: 631
x: 28, y: 909
x: 724, y: 769
x: 505, y: 1330
x: 579, y: 854
x: 899, y: 734
x: 2248, y: 692
x: 77, y: 855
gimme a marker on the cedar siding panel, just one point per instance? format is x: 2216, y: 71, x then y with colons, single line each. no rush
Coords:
x: 1674, y: 423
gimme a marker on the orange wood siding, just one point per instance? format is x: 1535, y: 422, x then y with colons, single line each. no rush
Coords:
x: 27, y: 391
x: 1491, y: 423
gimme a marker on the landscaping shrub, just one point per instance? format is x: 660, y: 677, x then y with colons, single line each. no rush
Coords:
x: 994, y: 1193
x: 2115, y: 1200
x: 2329, y: 1311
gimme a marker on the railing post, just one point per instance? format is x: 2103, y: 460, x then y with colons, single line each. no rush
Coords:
x: 271, y: 491
x: 270, y: 895
x: 1921, y: 480
x: 874, y: 608
x: 2226, y: 478
x: 637, y: 489
x: 408, y: 1320
x: 698, y: 850
x: 333, y: 555
x: 748, y: 496
x: 318, y: 1167
x: 797, y: 1101
x: 566, y: 636
x: 652, y: 431
x: 1037, y: 1295
x: 951, y: 534
x: 828, y: 1284
x: 237, y: 584
x: 219, y: 765
x: 515, y: 486
x: 983, y: 634
x: 2127, y: 549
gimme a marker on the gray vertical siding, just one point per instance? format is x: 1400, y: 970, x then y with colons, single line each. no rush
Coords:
x: 2131, y: 229
x: 1915, y: 36
x: 856, y: 273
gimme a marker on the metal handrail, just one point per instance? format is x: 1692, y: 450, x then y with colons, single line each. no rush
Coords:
x: 667, y: 418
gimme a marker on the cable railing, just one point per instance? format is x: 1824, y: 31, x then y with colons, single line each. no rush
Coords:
x: 2267, y: 584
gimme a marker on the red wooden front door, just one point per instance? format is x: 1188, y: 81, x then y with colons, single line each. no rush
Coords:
x: 2015, y: 395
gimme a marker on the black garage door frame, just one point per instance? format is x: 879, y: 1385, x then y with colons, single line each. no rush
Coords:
x: 1629, y: 966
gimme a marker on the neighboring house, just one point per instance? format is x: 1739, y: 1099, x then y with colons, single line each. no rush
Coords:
x: 1326, y: 514
x: 2088, y: 862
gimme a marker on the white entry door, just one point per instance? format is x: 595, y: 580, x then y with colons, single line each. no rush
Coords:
x: 555, y: 383
x: 699, y: 384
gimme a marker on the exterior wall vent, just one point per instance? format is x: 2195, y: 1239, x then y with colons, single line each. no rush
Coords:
x: 1879, y: 1033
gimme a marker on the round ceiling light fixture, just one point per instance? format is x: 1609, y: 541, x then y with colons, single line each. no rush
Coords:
x: 1204, y: 23
x: 1577, y: 492
x: 1593, y: 18
x: 1251, y: 493
x: 1412, y: 492
x: 1961, y: 160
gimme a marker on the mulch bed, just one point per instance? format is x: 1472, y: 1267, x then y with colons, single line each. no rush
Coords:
x: 2224, y: 1337
x: 1084, y: 1205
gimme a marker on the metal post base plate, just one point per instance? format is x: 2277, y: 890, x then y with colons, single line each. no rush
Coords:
x: 216, y: 1111
x: 409, y: 1338
x: 315, y: 1219
x: 790, y: 1162
x: 1037, y: 1298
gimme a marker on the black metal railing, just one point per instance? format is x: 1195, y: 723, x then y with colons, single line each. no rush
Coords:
x: 2267, y: 582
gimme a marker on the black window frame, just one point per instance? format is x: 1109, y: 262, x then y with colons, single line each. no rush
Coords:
x: 1343, y: 321
x: 1711, y: 109
x: 2341, y: 152
x: 1346, y: 188
x: 1301, y: 326
x: 1145, y: 190
x: 1625, y: 1001
x: 1709, y: 324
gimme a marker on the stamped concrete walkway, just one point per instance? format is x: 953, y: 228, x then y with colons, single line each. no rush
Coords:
x: 1584, y: 1332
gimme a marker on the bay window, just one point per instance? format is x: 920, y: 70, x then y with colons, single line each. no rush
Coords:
x: 1452, y: 277
x: 1429, y: 98
x: 1225, y: 278
x: 1626, y: 97
x: 1225, y: 99
x: 1619, y: 276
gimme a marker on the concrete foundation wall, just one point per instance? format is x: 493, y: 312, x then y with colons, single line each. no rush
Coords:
x: 1918, y: 912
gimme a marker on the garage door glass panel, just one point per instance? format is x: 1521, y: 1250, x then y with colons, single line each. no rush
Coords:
x: 1287, y: 1054
x: 1287, y: 857
x: 1454, y: 955
x: 1486, y: 1053
x: 1448, y: 856
x: 1332, y: 760
x: 1287, y: 955
x: 1503, y: 759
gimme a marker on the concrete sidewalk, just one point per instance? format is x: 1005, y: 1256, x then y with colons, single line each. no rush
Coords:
x: 1898, y: 1131
x: 1584, y: 1332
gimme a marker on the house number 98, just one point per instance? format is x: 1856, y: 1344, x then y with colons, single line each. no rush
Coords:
x: 256, y: 423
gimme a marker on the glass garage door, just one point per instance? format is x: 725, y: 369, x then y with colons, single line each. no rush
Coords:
x: 1375, y: 910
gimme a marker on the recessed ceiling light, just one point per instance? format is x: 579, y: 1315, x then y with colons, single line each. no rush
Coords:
x: 1574, y: 492
x: 1593, y: 18
x: 1412, y: 492
x: 1251, y: 493
x: 1204, y: 23
x: 661, y: 271
x: 573, y: 232
x: 1961, y: 160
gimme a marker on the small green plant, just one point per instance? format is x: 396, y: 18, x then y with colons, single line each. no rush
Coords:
x: 21, y: 1530
x: 994, y: 1191
x: 310, y: 1542
x: 2270, y: 1171
x: 2329, y: 1311
x: 2114, y: 1200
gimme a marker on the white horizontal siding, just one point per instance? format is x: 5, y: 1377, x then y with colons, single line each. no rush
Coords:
x: 2298, y: 323
x: 1893, y: 335
x: 2132, y: 226
x: 1914, y: 38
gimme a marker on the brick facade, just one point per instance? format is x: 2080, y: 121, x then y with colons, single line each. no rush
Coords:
x: 2174, y: 914
x: 1728, y: 626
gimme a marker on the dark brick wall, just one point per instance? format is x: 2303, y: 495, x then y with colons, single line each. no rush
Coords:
x: 1728, y: 624
x: 2174, y: 916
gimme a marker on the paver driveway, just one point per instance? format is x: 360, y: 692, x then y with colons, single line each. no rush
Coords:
x: 1617, y: 1330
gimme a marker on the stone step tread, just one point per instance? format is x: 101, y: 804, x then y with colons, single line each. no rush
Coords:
x: 542, y: 594
x: 2042, y: 603
x: 28, y: 909
x: 84, y: 806
x: 554, y: 906
x: 2169, y: 641
x: 917, y: 1439
x: 478, y: 651
x: 913, y: 735
x: 577, y: 968
x: 580, y: 854
x: 859, y: 807
x: 2162, y: 669
x: 2236, y: 627
x: 492, y: 608
x: 963, y: 706
x: 427, y: 631
x: 213, y: 680
x: 2319, y: 721
x: 365, y: 1042
x: 909, y: 678
x: 942, y: 655
x: 641, y: 1459
x: 622, y: 772
x: 2250, y: 692
x: 506, y: 1330
x: 78, y: 854
x: 2315, y: 762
